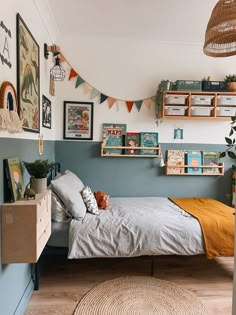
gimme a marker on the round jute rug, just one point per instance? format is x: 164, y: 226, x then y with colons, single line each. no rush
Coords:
x: 139, y: 295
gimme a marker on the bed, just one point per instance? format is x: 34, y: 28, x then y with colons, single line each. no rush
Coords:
x: 137, y: 226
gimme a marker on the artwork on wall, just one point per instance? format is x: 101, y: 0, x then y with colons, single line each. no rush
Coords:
x: 78, y: 120
x: 5, y: 36
x: 9, y: 119
x: 46, y: 112
x: 14, y: 178
x: 28, y: 79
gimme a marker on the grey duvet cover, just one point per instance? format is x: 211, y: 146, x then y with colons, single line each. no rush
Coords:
x: 134, y: 227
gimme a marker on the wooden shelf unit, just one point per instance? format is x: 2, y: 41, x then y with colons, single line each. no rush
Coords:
x: 220, y: 167
x: 158, y: 149
x: 188, y: 115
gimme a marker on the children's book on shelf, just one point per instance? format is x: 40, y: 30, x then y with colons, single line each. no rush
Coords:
x: 132, y: 140
x: 175, y: 157
x: 193, y: 158
x: 211, y: 158
x: 148, y: 139
x: 113, y: 135
x: 14, y: 187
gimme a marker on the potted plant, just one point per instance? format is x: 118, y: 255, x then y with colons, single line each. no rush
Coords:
x: 38, y: 171
x: 231, y: 82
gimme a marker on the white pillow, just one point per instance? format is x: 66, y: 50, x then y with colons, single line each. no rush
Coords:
x: 59, y: 211
x: 89, y: 200
x: 68, y: 187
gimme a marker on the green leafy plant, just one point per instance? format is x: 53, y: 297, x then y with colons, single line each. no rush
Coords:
x: 162, y: 86
x: 38, y: 168
x: 231, y: 141
x: 230, y: 78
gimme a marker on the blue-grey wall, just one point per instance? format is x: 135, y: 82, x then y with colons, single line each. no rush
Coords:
x: 140, y: 176
x: 15, y: 279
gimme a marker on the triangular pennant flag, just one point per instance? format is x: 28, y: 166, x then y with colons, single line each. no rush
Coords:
x: 94, y: 93
x: 87, y: 88
x: 148, y: 102
x: 103, y: 98
x: 138, y: 104
x: 79, y: 81
x: 111, y: 102
x: 73, y: 73
x: 129, y: 105
x: 62, y: 58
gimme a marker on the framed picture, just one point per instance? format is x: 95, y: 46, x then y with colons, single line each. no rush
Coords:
x: 14, y: 179
x: 28, y: 79
x: 78, y: 120
x: 46, y: 112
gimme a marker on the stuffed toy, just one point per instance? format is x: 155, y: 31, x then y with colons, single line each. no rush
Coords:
x: 102, y: 200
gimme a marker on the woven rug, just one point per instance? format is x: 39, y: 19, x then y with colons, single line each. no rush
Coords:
x: 139, y: 295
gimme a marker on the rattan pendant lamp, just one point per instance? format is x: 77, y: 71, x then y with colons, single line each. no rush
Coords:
x: 220, y: 37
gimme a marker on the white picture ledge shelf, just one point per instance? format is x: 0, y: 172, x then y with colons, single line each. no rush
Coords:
x: 123, y: 148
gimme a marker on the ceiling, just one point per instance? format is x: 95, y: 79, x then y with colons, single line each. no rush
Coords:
x: 166, y: 20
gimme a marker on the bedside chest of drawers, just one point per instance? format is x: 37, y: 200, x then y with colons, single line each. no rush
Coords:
x: 26, y: 227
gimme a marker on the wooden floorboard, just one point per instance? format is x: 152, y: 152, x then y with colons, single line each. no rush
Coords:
x: 64, y: 282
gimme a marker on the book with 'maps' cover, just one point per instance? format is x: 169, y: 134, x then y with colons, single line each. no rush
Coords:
x: 113, y: 135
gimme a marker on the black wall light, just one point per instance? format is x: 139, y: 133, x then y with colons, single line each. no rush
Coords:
x: 57, y: 73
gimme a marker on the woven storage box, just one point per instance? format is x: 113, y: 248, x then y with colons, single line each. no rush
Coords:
x: 226, y: 100
x: 187, y: 85
x: 214, y: 86
x: 201, y: 111
x: 201, y: 99
x: 175, y: 110
x: 175, y: 99
x: 226, y: 111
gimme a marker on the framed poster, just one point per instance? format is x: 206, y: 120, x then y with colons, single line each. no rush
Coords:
x: 14, y: 178
x: 78, y: 120
x: 46, y: 112
x: 28, y: 79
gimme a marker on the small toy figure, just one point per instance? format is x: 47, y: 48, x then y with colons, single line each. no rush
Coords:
x: 29, y: 192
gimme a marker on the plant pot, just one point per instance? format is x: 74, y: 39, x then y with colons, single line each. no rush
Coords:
x: 231, y: 86
x: 39, y: 185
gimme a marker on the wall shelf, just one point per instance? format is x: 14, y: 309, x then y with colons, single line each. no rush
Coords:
x: 220, y: 167
x: 104, y: 153
x: 215, y: 110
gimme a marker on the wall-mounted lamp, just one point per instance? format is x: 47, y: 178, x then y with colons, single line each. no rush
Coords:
x: 220, y: 38
x: 57, y: 73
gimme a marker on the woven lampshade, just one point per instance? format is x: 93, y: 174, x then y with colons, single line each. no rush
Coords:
x: 220, y: 38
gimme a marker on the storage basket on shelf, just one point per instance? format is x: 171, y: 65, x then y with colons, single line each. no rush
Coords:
x: 175, y: 110
x: 226, y: 100
x: 201, y: 111
x: 201, y: 100
x: 173, y: 99
x: 214, y: 86
x: 187, y: 85
x: 225, y: 111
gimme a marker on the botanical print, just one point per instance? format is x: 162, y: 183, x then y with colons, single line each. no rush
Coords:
x: 28, y: 77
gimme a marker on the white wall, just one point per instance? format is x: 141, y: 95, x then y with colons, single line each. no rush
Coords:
x: 32, y: 12
x: 130, y: 70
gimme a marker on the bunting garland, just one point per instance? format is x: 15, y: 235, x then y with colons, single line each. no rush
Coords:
x: 92, y: 92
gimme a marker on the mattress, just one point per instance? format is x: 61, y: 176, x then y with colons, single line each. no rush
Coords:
x: 60, y: 234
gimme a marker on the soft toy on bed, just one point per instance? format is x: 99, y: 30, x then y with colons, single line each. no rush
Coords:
x: 102, y: 199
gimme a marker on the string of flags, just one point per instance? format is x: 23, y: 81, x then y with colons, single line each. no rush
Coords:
x: 91, y: 92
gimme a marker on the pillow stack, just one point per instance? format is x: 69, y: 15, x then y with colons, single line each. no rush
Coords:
x: 71, y: 199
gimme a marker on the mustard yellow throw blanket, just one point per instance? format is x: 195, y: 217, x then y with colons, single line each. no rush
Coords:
x: 217, y: 223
